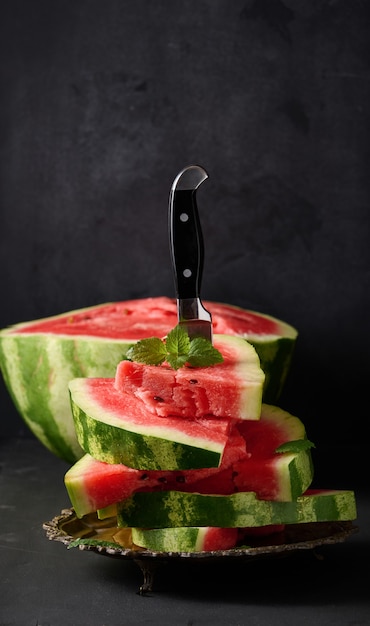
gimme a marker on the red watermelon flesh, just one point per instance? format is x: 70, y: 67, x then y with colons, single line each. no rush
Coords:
x: 247, y: 465
x: 232, y: 388
x: 247, y: 471
x: 148, y: 317
x: 116, y: 427
x: 93, y: 484
x: 269, y: 474
x: 219, y: 538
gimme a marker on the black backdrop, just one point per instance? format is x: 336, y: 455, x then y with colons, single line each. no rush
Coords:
x: 102, y: 103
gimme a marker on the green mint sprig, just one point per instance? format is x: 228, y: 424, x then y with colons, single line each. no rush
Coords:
x: 90, y: 541
x: 298, y: 445
x: 177, y: 350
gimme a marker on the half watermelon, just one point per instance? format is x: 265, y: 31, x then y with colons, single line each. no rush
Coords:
x: 39, y: 358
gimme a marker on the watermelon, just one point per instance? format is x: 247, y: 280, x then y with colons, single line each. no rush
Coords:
x: 231, y: 389
x: 93, y: 485
x: 271, y: 474
x: 185, y: 539
x: 249, y: 463
x: 171, y: 509
x: 39, y: 358
x: 115, y: 427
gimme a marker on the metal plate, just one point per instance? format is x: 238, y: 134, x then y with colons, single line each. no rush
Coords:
x: 104, y: 537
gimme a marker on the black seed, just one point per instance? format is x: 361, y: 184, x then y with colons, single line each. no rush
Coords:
x: 158, y: 399
x: 162, y: 479
x: 193, y: 381
x: 144, y: 477
x: 180, y: 479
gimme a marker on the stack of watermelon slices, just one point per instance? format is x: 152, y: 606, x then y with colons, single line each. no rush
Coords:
x: 193, y: 459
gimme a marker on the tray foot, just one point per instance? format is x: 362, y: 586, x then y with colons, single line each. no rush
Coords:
x: 148, y: 570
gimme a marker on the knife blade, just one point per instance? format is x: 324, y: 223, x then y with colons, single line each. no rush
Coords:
x: 187, y: 252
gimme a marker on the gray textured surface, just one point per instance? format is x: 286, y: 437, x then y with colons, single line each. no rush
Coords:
x: 103, y: 103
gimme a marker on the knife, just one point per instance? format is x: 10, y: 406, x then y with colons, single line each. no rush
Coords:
x: 187, y: 252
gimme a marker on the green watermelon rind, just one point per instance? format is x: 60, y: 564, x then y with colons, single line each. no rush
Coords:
x: 275, y: 356
x: 293, y: 471
x: 163, y: 446
x: 50, y: 363
x: 134, y: 449
x: 187, y: 539
x: 275, y: 352
x: 171, y: 509
x: 294, y: 474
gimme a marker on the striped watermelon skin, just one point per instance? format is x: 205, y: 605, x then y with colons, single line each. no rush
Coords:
x: 247, y: 465
x: 95, y: 485
x: 39, y: 358
x: 114, y: 427
x: 171, y: 509
x: 37, y: 370
x: 185, y: 539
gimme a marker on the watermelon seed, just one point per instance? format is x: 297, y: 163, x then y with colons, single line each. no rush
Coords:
x: 144, y: 477
x: 193, y: 381
x: 158, y: 399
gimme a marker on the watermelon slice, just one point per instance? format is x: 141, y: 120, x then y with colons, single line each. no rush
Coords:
x: 249, y: 463
x: 231, y: 389
x: 115, y: 427
x: 185, y: 539
x: 171, y: 509
x: 39, y: 358
x: 94, y: 485
x: 270, y: 474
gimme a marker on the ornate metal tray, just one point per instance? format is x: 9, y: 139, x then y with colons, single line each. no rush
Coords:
x: 104, y: 537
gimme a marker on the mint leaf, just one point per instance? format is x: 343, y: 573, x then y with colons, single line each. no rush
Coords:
x: 176, y: 361
x: 177, y: 346
x: 150, y: 351
x: 93, y: 543
x: 177, y: 349
x: 202, y: 353
x: 295, y: 446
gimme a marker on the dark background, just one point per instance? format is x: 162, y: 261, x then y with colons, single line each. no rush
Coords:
x: 102, y: 103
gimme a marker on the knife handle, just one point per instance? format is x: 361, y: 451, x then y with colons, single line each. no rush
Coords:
x: 186, y: 243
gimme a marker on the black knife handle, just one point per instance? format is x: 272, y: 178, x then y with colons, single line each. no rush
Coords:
x: 186, y: 243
